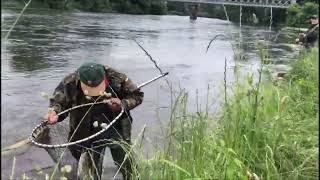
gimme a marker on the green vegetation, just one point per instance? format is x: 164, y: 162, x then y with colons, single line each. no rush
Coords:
x: 266, y: 130
x: 122, y: 6
x: 297, y: 16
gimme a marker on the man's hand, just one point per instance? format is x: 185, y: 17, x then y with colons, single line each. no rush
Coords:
x: 115, y: 104
x: 51, y: 116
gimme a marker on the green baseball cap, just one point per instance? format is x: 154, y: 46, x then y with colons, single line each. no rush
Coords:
x: 92, y: 77
x: 91, y: 74
x: 313, y: 17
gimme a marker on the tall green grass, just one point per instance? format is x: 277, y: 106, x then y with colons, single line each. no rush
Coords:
x: 265, y: 130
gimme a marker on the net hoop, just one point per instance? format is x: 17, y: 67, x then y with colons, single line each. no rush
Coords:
x: 43, y: 124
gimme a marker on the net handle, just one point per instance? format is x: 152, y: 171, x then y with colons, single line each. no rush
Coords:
x: 44, y: 123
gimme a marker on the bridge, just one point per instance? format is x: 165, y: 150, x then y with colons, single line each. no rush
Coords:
x: 250, y: 3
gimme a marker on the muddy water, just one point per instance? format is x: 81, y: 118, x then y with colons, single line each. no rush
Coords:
x: 46, y: 45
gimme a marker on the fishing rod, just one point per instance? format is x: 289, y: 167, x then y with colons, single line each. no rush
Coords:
x: 150, y: 81
x: 28, y: 141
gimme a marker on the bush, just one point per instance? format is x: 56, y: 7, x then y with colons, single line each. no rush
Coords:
x: 310, y: 9
x: 121, y: 6
x: 294, y: 16
x: 56, y: 4
x: 157, y: 8
x: 100, y: 6
x: 298, y: 16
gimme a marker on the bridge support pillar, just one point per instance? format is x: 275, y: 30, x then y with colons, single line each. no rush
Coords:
x: 194, y: 11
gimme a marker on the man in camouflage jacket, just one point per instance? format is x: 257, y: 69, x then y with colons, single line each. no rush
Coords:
x: 311, y: 36
x: 89, y: 84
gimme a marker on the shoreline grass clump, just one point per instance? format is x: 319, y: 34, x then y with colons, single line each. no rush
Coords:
x: 265, y: 130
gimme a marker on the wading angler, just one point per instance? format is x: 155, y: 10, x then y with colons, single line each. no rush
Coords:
x: 311, y: 36
x: 97, y: 83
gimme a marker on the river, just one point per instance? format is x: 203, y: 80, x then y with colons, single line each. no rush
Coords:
x: 46, y: 45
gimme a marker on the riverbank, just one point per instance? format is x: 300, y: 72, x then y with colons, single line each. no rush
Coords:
x: 265, y: 130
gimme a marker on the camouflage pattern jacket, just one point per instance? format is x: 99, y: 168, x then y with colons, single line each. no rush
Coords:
x: 312, y: 35
x: 69, y: 94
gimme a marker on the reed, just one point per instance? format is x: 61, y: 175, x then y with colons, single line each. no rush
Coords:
x: 13, y: 168
x: 16, y: 21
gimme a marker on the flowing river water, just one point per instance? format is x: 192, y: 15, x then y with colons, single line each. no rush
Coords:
x: 46, y: 45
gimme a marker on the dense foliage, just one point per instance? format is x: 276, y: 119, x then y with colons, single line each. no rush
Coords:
x: 297, y: 16
x: 156, y: 7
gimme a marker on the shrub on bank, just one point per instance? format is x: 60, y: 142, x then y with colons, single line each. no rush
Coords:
x: 298, y: 16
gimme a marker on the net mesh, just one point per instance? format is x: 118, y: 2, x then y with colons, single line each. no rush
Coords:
x: 54, y: 134
x: 58, y: 134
